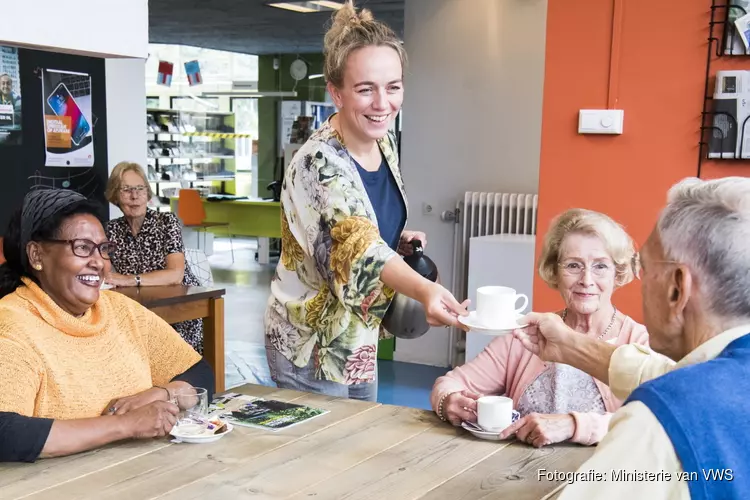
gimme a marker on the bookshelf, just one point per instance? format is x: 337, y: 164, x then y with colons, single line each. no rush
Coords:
x: 195, y: 149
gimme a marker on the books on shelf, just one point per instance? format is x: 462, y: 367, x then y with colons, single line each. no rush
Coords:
x: 268, y: 414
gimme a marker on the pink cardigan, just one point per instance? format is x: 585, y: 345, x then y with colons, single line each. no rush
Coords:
x: 505, y: 367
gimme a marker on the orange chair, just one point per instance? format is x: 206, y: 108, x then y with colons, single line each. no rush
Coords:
x: 190, y: 207
x: 192, y: 213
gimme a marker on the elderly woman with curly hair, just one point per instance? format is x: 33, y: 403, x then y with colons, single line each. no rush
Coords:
x: 586, y: 256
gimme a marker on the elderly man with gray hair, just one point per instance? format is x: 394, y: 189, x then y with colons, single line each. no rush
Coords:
x: 680, y: 433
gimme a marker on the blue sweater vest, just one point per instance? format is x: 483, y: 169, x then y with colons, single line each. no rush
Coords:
x: 705, y: 410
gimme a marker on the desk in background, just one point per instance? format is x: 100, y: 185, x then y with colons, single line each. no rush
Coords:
x: 251, y: 217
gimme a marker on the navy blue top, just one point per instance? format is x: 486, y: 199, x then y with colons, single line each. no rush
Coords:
x: 702, y: 408
x: 386, y: 200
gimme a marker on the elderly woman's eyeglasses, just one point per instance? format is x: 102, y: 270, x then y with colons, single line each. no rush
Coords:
x: 137, y: 190
x: 86, y: 248
x: 575, y: 268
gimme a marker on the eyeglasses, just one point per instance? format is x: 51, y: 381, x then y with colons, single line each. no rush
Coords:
x: 635, y: 264
x: 638, y: 267
x: 86, y: 248
x: 574, y: 268
x: 138, y: 190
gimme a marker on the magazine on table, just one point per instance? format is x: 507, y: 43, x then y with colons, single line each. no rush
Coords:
x: 269, y: 414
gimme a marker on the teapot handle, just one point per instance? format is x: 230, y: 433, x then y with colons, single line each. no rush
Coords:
x: 416, y: 245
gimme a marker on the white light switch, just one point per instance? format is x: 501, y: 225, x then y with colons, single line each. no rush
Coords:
x: 600, y: 121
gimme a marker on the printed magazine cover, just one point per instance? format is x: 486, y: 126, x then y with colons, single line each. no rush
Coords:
x: 266, y: 414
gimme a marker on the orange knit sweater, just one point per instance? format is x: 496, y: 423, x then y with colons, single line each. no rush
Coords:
x: 55, y: 365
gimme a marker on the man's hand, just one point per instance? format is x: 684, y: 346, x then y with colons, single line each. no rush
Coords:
x: 551, y: 339
x: 547, y: 336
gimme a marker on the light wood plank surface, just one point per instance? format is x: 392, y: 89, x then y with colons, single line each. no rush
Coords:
x: 359, y: 450
x: 513, y: 473
x: 314, y: 458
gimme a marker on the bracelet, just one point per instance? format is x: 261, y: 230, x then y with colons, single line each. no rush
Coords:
x: 439, y: 412
x: 169, y: 395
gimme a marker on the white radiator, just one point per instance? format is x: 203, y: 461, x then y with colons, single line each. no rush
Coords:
x: 485, y: 214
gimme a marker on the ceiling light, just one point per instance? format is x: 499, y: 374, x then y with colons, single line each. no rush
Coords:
x: 328, y: 3
x: 307, y: 7
x: 259, y: 93
x: 313, y: 77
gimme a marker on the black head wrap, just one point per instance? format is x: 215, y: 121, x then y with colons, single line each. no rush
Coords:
x: 39, y: 205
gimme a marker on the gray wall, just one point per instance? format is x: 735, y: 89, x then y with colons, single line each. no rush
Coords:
x: 472, y: 118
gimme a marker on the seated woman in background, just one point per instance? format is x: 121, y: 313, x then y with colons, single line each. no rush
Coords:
x: 586, y: 257
x: 149, y: 249
x: 80, y: 367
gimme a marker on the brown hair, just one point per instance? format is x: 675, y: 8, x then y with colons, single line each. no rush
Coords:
x: 619, y: 244
x: 351, y: 31
x: 112, y: 193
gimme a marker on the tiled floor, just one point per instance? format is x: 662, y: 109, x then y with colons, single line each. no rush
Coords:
x: 247, y: 285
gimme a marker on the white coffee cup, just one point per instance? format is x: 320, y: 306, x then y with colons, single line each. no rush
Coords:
x: 494, y: 413
x: 496, y: 305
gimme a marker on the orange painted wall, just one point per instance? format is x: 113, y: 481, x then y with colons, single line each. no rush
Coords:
x: 661, y: 61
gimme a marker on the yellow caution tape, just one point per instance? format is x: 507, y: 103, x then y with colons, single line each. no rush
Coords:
x: 219, y: 135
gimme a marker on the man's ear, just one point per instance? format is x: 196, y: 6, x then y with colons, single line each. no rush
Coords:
x: 680, y: 290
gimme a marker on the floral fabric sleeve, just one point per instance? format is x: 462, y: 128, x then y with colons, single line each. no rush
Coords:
x: 328, y: 299
x: 323, y: 210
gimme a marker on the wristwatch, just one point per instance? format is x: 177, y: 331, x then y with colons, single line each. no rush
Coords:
x: 137, y: 280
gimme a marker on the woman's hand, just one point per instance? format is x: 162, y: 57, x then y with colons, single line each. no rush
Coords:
x: 117, y: 279
x: 540, y: 430
x: 121, y: 406
x: 404, y: 243
x: 461, y: 406
x: 441, y: 308
x: 155, y: 419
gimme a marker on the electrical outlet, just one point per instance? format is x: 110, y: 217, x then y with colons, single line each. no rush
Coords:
x: 427, y: 209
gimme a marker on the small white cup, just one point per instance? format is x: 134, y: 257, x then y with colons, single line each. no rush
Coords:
x: 494, y: 413
x: 497, y: 304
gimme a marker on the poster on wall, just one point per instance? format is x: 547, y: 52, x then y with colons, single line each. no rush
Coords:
x: 10, y: 97
x: 68, y: 125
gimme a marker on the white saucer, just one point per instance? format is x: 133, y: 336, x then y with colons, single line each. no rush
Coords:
x: 473, y: 323
x: 106, y: 286
x: 489, y: 436
x: 206, y: 437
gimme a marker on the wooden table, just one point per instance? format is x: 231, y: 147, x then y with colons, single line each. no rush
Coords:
x: 175, y: 303
x: 359, y: 450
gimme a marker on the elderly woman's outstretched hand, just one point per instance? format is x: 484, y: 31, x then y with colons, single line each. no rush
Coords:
x: 545, y: 335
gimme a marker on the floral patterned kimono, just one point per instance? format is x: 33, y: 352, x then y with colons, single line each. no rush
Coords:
x: 327, y: 300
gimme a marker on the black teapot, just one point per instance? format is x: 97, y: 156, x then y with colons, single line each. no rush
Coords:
x: 405, y: 317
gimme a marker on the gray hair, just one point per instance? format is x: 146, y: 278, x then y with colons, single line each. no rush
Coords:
x: 706, y: 226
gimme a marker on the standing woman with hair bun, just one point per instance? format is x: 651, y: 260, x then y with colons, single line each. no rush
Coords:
x: 344, y: 211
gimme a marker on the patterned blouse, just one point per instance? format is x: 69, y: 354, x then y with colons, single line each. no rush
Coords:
x: 160, y: 235
x: 561, y: 389
x: 327, y: 300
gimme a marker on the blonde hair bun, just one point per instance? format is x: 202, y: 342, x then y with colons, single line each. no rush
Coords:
x: 352, y: 30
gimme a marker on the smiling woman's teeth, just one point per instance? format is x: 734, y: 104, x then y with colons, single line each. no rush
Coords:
x: 378, y: 119
x: 90, y: 278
